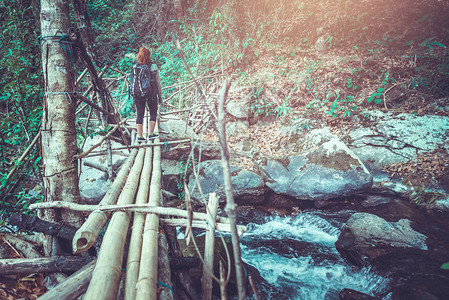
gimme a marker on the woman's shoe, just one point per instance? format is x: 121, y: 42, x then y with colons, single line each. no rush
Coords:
x: 141, y: 139
x: 153, y: 136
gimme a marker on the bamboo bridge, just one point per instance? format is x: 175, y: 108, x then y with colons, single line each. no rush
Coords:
x: 136, y: 267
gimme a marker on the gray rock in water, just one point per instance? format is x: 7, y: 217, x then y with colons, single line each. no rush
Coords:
x: 327, y: 171
x: 366, y: 236
x: 371, y: 229
x: 247, y: 186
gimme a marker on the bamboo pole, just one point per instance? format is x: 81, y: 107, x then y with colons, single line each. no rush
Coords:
x: 72, y: 287
x: 109, y: 155
x: 164, y: 272
x: 146, y: 287
x: 85, y: 153
x: 135, y: 244
x: 25, y: 153
x: 86, y: 236
x: 89, y: 89
x: 106, y: 275
x: 96, y: 165
x: 200, y: 224
x: 92, y: 104
x: 208, y: 264
x: 154, y: 144
x: 86, y: 125
x: 140, y: 208
x: 81, y: 77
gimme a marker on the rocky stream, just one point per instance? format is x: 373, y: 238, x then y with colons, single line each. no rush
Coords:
x: 341, y: 216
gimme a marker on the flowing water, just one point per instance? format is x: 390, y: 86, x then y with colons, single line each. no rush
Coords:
x: 297, y: 259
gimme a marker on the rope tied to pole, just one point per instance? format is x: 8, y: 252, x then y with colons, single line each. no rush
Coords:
x: 166, y: 285
x: 62, y: 40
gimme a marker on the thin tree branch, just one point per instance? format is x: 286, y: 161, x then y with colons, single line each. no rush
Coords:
x: 230, y: 203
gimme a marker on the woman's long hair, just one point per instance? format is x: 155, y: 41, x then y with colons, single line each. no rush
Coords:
x: 144, y: 56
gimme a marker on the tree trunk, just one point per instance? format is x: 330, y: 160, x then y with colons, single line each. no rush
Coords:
x: 208, y: 265
x: 33, y: 223
x: 58, y: 133
x: 42, y: 264
x: 179, y: 8
x: 83, y: 21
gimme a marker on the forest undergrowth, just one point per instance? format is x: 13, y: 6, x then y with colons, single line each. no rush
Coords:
x: 297, y: 63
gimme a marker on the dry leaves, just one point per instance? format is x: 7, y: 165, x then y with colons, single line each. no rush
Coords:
x: 427, y: 168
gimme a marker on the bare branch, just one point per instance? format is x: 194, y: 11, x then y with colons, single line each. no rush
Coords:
x: 230, y: 203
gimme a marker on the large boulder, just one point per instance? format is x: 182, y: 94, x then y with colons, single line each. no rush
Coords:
x: 328, y: 170
x: 239, y: 108
x: 397, y: 138
x: 94, y: 183
x: 176, y: 129
x: 366, y: 236
x: 171, y: 175
x: 248, y: 187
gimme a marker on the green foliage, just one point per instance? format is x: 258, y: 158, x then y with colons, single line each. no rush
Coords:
x: 185, y: 167
x: 20, y: 95
x: 379, y: 94
x: 421, y: 195
x: 430, y: 43
x: 113, y: 28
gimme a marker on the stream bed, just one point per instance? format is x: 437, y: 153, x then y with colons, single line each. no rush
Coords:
x: 297, y: 259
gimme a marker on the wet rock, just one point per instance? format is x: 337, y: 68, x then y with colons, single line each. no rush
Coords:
x: 327, y: 171
x: 415, y: 292
x: 249, y: 214
x: 375, y: 200
x: 171, y: 175
x: 348, y: 294
x: 248, y: 187
x: 366, y: 236
x: 180, y: 152
x: 439, y: 205
x: 280, y: 201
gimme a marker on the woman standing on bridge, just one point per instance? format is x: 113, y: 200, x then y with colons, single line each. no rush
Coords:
x: 153, y: 99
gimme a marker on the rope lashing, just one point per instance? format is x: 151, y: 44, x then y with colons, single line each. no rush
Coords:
x: 166, y: 285
x: 62, y: 40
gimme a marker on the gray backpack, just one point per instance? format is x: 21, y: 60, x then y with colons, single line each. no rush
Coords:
x: 142, y: 81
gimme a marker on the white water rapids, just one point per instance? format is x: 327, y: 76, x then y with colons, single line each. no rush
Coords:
x: 297, y: 258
